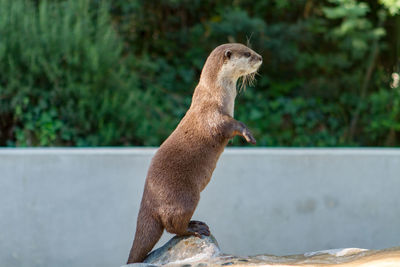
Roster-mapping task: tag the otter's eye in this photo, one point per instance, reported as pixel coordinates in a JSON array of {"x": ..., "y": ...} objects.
[
  {"x": 247, "y": 54},
  {"x": 228, "y": 54}
]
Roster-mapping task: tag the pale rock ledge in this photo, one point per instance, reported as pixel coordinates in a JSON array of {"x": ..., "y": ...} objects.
[{"x": 195, "y": 252}]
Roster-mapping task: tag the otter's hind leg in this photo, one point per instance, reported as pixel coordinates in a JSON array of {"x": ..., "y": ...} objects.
[{"x": 182, "y": 226}]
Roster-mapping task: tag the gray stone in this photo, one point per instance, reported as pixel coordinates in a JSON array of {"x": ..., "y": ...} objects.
[{"x": 185, "y": 249}]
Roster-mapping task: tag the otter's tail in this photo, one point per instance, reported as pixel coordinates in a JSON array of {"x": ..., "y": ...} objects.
[{"x": 148, "y": 232}]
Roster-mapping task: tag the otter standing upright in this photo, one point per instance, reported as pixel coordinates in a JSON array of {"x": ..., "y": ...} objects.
[{"x": 184, "y": 163}]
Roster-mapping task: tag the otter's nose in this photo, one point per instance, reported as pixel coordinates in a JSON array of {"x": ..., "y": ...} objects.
[{"x": 257, "y": 57}]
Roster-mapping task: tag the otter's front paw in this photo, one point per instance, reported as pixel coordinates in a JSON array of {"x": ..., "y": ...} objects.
[{"x": 249, "y": 136}]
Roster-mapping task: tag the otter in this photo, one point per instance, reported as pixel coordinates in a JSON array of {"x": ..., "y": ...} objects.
[{"x": 184, "y": 163}]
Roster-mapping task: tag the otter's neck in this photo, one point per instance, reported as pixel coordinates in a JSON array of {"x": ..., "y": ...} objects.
[
  {"x": 220, "y": 90},
  {"x": 228, "y": 94}
]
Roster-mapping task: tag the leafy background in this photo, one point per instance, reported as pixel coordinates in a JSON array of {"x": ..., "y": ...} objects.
[{"x": 117, "y": 73}]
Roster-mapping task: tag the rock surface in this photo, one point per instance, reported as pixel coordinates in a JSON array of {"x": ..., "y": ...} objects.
[
  {"x": 196, "y": 252},
  {"x": 180, "y": 250}
]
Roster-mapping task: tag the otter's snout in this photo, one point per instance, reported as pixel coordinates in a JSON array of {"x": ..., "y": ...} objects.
[{"x": 256, "y": 57}]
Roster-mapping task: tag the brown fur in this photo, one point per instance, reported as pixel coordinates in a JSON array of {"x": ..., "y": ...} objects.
[{"x": 184, "y": 163}]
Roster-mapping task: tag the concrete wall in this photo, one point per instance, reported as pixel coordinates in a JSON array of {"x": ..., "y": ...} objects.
[{"x": 78, "y": 207}]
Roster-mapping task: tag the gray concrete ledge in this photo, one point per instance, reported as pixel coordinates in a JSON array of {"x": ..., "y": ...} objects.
[{"x": 78, "y": 207}]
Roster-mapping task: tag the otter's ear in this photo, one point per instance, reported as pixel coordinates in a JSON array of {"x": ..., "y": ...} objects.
[{"x": 228, "y": 54}]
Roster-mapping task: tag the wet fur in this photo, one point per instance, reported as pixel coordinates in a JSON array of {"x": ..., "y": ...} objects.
[{"x": 184, "y": 163}]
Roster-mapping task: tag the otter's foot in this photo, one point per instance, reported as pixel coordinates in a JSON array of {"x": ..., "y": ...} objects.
[{"x": 198, "y": 229}]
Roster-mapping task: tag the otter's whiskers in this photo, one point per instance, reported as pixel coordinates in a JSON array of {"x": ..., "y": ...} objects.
[{"x": 247, "y": 80}]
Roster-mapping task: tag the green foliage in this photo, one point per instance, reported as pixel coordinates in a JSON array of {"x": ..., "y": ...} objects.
[
  {"x": 392, "y": 5},
  {"x": 384, "y": 116},
  {"x": 92, "y": 72},
  {"x": 355, "y": 31},
  {"x": 61, "y": 77}
]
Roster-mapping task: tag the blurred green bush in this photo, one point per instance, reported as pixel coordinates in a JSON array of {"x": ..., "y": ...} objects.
[
  {"x": 107, "y": 73},
  {"x": 63, "y": 78}
]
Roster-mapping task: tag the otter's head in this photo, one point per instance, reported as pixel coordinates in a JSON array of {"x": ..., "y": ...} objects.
[{"x": 229, "y": 62}]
